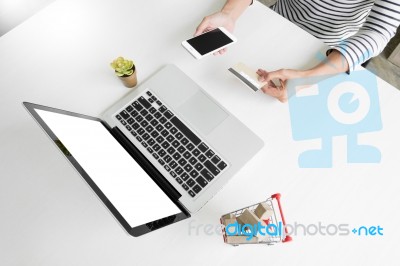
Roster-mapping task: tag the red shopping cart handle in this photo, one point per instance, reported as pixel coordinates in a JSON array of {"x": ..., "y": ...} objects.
[{"x": 277, "y": 196}]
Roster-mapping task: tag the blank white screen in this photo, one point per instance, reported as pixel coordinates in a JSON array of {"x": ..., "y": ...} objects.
[{"x": 132, "y": 192}]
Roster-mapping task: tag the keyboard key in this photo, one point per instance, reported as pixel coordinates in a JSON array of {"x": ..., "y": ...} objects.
[
  {"x": 196, "y": 188},
  {"x": 149, "y": 129},
  {"x": 134, "y": 133},
  {"x": 210, "y": 166},
  {"x": 135, "y": 126},
  {"x": 187, "y": 155},
  {"x": 144, "y": 123},
  {"x": 191, "y": 193},
  {"x": 188, "y": 168},
  {"x": 165, "y": 144},
  {"x": 156, "y": 147},
  {"x": 150, "y": 149},
  {"x": 161, "y": 161},
  {"x": 154, "y": 98},
  {"x": 155, "y": 155},
  {"x": 151, "y": 100},
  {"x": 167, "y": 168},
  {"x": 163, "y": 120},
  {"x": 139, "y": 118},
  {"x": 168, "y": 125},
  {"x": 185, "y": 176},
  {"x": 173, "y": 130},
  {"x": 210, "y": 154},
  {"x": 154, "y": 122},
  {"x": 128, "y": 127},
  {"x": 124, "y": 114},
  {"x": 140, "y": 131},
  {"x": 181, "y": 149},
  {"x": 179, "y": 170},
  {"x": 160, "y": 139},
  {"x": 130, "y": 120},
  {"x": 190, "y": 182},
  {"x": 194, "y": 174},
  {"x": 175, "y": 143},
  {"x": 184, "y": 141},
  {"x": 145, "y": 136},
  {"x": 179, "y": 180},
  {"x": 159, "y": 102},
  {"x": 151, "y": 142},
  {"x": 170, "y": 138},
  {"x": 185, "y": 187},
  {"x": 149, "y": 117},
  {"x": 179, "y": 135},
  {"x": 202, "y": 158},
  {"x": 159, "y": 127},
  {"x": 168, "y": 114},
  {"x": 152, "y": 110},
  {"x": 149, "y": 93},
  {"x": 171, "y": 150},
  {"x": 164, "y": 133},
  {"x": 173, "y": 164},
  {"x": 137, "y": 105},
  {"x": 157, "y": 115},
  {"x": 198, "y": 166},
  {"x": 154, "y": 134},
  {"x": 123, "y": 122},
  {"x": 203, "y": 147},
  {"x": 201, "y": 181},
  {"x": 144, "y": 144},
  {"x": 185, "y": 130},
  {"x": 144, "y": 112},
  {"x": 192, "y": 161},
  {"x": 176, "y": 156},
  {"x": 196, "y": 152},
  {"x": 129, "y": 108},
  {"x": 215, "y": 159},
  {"x": 207, "y": 175},
  {"x": 162, "y": 153},
  {"x": 139, "y": 138},
  {"x": 162, "y": 109},
  {"x": 167, "y": 159},
  {"x": 182, "y": 162},
  {"x": 190, "y": 146},
  {"x": 144, "y": 102},
  {"x": 222, "y": 165},
  {"x": 134, "y": 113},
  {"x": 118, "y": 117}
]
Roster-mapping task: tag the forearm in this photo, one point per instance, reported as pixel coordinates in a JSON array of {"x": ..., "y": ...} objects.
[
  {"x": 334, "y": 63},
  {"x": 235, "y": 8}
]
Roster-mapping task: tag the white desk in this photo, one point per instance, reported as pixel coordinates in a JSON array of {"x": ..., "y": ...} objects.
[{"x": 60, "y": 58}]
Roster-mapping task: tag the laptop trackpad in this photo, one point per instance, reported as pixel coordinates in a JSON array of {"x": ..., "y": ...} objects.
[{"x": 202, "y": 112}]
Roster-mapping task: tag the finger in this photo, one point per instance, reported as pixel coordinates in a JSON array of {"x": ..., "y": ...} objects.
[
  {"x": 276, "y": 75},
  {"x": 202, "y": 27}
]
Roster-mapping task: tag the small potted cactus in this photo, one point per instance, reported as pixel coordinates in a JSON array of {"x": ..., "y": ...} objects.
[{"x": 125, "y": 70}]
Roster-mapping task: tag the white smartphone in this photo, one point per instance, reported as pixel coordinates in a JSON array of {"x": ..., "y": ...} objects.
[{"x": 209, "y": 42}]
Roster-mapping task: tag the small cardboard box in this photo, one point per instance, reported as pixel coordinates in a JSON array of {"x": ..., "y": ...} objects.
[
  {"x": 240, "y": 240},
  {"x": 248, "y": 217},
  {"x": 263, "y": 211},
  {"x": 227, "y": 216}
]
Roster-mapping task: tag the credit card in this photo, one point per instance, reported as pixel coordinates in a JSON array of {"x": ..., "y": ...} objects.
[{"x": 247, "y": 75}]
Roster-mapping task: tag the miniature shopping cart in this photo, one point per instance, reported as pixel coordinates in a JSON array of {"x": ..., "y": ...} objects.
[{"x": 273, "y": 221}]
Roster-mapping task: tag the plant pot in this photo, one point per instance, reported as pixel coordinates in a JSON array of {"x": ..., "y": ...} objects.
[{"x": 129, "y": 81}]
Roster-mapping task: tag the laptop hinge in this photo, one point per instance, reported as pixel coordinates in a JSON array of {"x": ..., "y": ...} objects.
[{"x": 158, "y": 178}]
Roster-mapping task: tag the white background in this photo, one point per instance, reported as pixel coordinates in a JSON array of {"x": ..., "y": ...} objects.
[{"x": 61, "y": 57}]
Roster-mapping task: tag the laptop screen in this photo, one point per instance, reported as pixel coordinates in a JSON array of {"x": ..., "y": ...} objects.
[{"x": 126, "y": 185}]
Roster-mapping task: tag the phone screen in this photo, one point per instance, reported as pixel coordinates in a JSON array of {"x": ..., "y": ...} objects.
[{"x": 209, "y": 41}]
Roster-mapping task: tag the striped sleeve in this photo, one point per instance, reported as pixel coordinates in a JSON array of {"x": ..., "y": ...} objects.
[{"x": 379, "y": 27}]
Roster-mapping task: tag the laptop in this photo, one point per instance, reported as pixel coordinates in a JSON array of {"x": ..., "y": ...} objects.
[{"x": 158, "y": 154}]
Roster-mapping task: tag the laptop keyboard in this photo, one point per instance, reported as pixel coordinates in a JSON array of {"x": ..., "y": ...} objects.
[{"x": 187, "y": 158}]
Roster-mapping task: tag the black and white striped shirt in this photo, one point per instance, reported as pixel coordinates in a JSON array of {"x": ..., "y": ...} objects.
[{"x": 359, "y": 29}]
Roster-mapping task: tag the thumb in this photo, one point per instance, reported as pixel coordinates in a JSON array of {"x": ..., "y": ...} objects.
[{"x": 202, "y": 27}]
